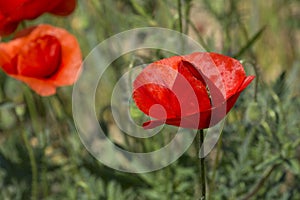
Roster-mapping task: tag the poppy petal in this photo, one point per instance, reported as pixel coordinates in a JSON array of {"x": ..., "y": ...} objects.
[
  {"x": 149, "y": 95},
  {"x": 190, "y": 90},
  {"x": 44, "y": 51},
  {"x": 7, "y": 63},
  {"x": 226, "y": 73},
  {"x": 12, "y": 13},
  {"x": 246, "y": 82},
  {"x": 177, "y": 93},
  {"x": 64, "y": 7}
]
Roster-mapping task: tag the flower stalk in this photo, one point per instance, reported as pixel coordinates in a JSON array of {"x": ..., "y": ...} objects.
[
  {"x": 202, "y": 165},
  {"x": 179, "y": 10},
  {"x": 34, "y": 171}
]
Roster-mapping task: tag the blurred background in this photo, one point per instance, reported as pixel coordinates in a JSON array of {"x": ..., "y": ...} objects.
[{"x": 257, "y": 156}]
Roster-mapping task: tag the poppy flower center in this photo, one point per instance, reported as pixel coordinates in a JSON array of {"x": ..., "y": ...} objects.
[{"x": 40, "y": 58}]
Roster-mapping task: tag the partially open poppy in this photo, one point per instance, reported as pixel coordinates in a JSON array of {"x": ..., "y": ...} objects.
[
  {"x": 44, "y": 57},
  {"x": 192, "y": 91},
  {"x": 14, "y": 11}
]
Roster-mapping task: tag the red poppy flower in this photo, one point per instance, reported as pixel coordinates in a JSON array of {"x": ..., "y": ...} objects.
[
  {"x": 44, "y": 57},
  {"x": 14, "y": 11},
  {"x": 191, "y": 91}
]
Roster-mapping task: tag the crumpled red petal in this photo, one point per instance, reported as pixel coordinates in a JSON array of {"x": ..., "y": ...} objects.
[
  {"x": 226, "y": 73},
  {"x": 44, "y": 51},
  {"x": 153, "y": 85},
  {"x": 205, "y": 118},
  {"x": 181, "y": 89}
]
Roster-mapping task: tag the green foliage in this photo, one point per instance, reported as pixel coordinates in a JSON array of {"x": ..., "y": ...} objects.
[{"x": 258, "y": 155}]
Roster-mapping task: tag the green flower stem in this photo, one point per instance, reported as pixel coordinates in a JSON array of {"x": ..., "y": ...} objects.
[
  {"x": 187, "y": 10},
  {"x": 34, "y": 171},
  {"x": 179, "y": 9},
  {"x": 37, "y": 129},
  {"x": 202, "y": 166},
  {"x": 180, "y": 19},
  {"x": 33, "y": 164},
  {"x": 199, "y": 36},
  {"x": 36, "y": 124}
]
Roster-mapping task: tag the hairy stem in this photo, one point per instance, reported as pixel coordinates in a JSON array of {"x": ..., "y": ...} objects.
[{"x": 202, "y": 165}]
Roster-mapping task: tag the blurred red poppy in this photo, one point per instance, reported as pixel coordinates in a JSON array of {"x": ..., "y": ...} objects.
[
  {"x": 192, "y": 91},
  {"x": 14, "y": 11},
  {"x": 44, "y": 57}
]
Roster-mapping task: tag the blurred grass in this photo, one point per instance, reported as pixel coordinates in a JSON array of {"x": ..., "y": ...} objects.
[{"x": 260, "y": 147}]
